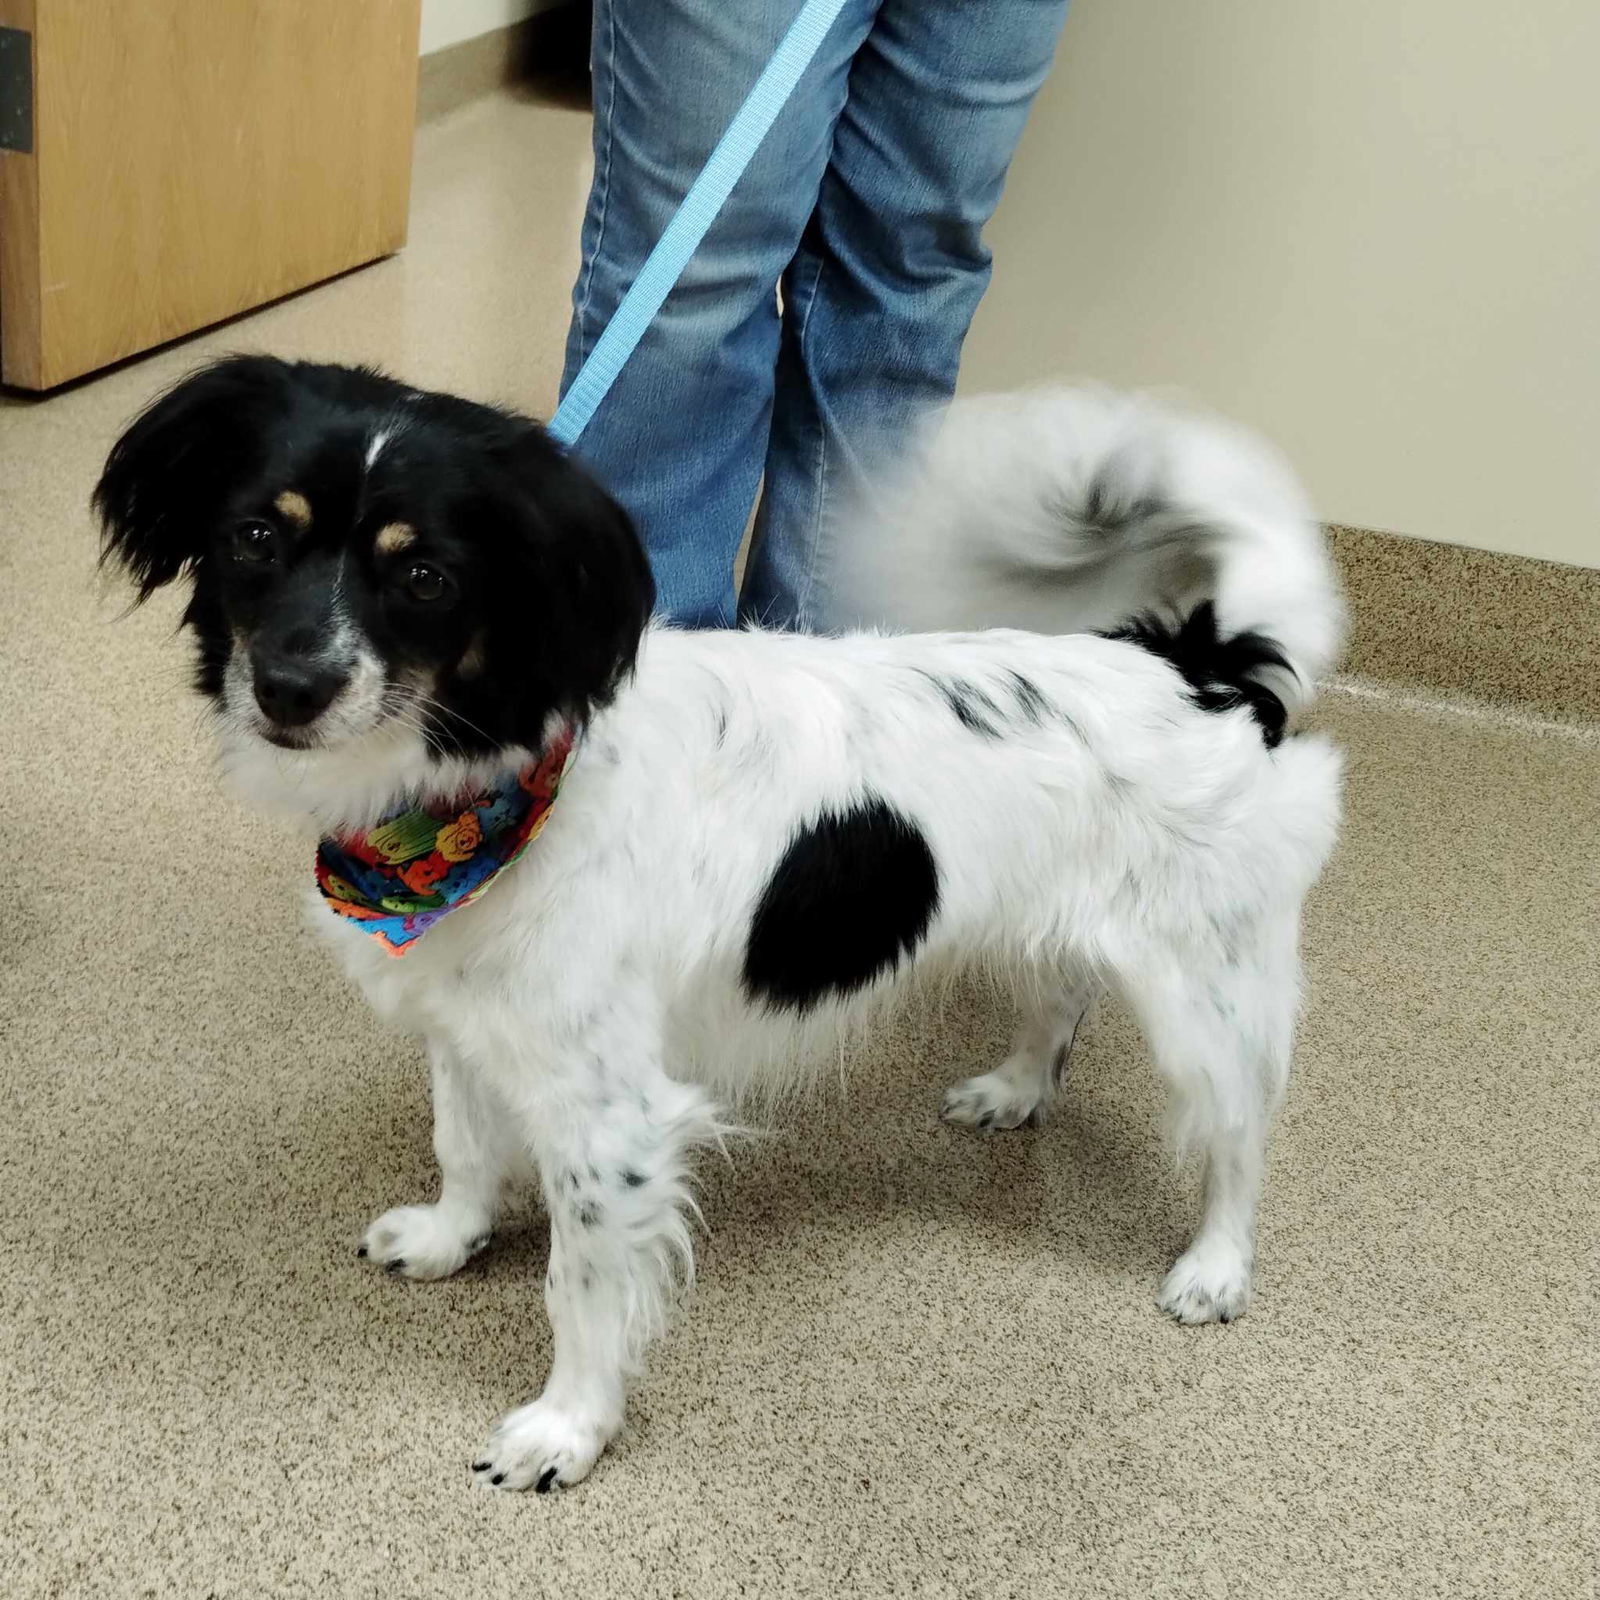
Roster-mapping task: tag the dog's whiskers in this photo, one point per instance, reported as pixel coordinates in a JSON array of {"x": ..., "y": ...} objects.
[{"x": 424, "y": 701}]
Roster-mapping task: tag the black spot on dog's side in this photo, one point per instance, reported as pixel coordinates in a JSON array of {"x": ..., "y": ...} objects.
[{"x": 851, "y": 898}]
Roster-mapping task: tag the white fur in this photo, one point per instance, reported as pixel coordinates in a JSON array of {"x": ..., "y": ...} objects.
[
  {"x": 586, "y": 1019},
  {"x": 985, "y": 525}
]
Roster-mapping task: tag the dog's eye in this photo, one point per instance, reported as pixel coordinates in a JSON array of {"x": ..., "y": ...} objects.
[
  {"x": 425, "y": 583},
  {"x": 255, "y": 543}
]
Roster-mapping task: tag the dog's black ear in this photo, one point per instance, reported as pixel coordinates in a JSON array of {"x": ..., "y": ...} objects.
[
  {"x": 167, "y": 476},
  {"x": 583, "y": 591}
]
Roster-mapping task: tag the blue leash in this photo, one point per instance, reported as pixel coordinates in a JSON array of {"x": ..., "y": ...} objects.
[{"x": 693, "y": 218}]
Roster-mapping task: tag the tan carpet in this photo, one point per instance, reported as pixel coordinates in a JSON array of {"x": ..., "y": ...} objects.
[{"x": 918, "y": 1363}]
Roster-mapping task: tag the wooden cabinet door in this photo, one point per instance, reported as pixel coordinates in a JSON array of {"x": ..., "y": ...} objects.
[{"x": 191, "y": 159}]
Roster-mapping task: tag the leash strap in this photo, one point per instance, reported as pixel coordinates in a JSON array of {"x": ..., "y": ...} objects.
[{"x": 693, "y": 218}]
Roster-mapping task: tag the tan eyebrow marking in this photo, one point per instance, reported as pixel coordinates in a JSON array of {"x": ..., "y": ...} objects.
[
  {"x": 295, "y": 507},
  {"x": 395, "y": 536}
]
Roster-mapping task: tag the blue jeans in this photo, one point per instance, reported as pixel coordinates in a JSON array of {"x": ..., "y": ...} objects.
[{"x": 864, "y": 210}]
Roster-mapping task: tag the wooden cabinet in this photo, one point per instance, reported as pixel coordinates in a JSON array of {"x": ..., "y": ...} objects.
[{"x": 192, "y": 159}]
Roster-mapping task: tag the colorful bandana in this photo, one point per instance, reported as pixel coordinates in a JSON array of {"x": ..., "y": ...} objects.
[{"x": 423, "y": 862}]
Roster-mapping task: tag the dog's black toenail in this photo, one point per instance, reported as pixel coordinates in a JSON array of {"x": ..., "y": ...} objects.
[
  {"x": 546, "y": 1482},
  {"x": 361, "y": 1250},
  {"x": 499, "y": 1477},
  {"x": 396, "y": 1265},
  {"x": 481, "y": 1466}
]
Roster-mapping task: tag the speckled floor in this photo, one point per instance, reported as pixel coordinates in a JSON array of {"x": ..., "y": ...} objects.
[{"x": 918, "y": 1362}]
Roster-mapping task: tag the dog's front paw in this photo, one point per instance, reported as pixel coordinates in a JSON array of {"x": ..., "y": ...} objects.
[
  {"x": 542, "y": 1446},
  {"x": 421, "y": 1242},
  {"x": 992, "y": 1102},
  {"x": 1209, "y": 1282}
]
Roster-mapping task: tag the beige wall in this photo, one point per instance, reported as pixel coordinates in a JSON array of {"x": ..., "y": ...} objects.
[{"x": 1371, "y": 227}]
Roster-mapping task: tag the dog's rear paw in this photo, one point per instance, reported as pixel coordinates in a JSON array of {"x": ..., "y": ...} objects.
[
  {"x": 992, "y": 1102},
  {"x": 1208, "y": 1283},
  {"x": 541, "y": 1447},
  {"x": 421, "y": 1242}
]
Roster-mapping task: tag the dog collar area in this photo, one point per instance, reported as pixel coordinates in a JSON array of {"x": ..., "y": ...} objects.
[{"x": 425, "y": 859}]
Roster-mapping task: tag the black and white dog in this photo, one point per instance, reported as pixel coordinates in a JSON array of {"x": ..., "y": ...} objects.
[{"x": 402, "y": 598}]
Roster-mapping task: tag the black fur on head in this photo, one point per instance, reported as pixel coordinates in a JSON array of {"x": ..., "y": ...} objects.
[{"x": 337, "y": 525}]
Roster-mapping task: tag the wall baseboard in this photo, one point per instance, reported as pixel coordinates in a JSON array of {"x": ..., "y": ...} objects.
[
  {"x": 546, "y": 54},
  {"x": 1450, "y": 620}
]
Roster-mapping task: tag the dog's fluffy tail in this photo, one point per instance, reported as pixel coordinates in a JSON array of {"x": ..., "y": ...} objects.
[{"x": 1079, "y": 509}]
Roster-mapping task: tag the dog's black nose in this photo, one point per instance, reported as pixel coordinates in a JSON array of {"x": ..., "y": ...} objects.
[{"x": 293, "y": 693}]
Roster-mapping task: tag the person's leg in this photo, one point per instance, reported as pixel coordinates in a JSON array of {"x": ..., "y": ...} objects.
[
  {"x": 878, "y": 300},
  {"x": 681, "y": 438}
]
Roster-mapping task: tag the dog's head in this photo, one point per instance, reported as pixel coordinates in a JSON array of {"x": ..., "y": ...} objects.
[{"x": 365, "y": 553}]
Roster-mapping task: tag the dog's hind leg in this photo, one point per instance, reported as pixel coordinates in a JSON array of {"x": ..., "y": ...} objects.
[
  {"x": 1022, "y": 1087},
  {"x": 432, "y": 1241},
  {"x": 1221, "y": 1031}
]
